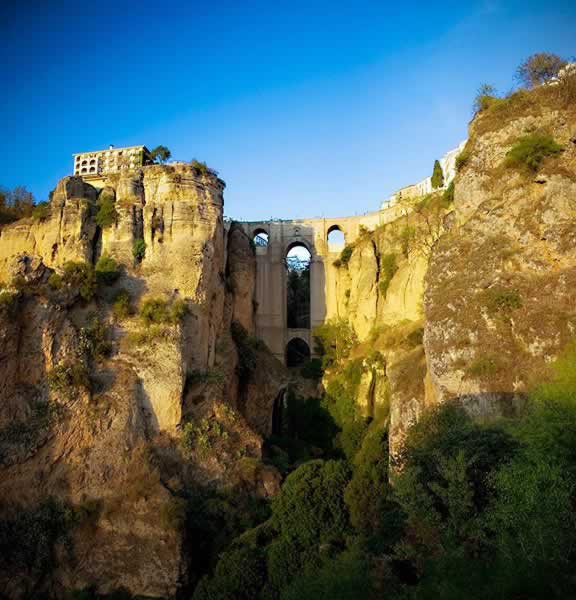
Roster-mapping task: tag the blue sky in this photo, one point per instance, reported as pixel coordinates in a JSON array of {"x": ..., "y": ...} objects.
[{"x": 305, "y": 108}]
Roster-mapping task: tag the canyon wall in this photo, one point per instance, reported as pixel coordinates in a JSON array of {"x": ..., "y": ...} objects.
[{"x": 95, "y": 403}]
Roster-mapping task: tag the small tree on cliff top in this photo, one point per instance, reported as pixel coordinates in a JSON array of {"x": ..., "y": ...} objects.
[
  {"x": 160, "y": 154},
  {"x": 539, "y": 68},
  {"x": 437, "y": 176}
]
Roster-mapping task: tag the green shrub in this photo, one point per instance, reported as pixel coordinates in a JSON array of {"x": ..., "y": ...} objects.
[
  {"x": 240, "y": 574},
  {"x": 80, "y": 277},
  {"x": 25, "y": 434},
  {"x": 107, "y": 270},
  {"x": 7, "y": 299},
  {"x": 485, "y": 98},
  {"x": 202, "y": 168},
  {"x": 69, "y": 379},
  {"x": 437, "y": 176},
  {"x": 121, "y": 305},
  {"x": 95, "y": 335},
  {"x": 484, "y": 366},
  {"x": 345, "y": 577},
  {"x": 448, "y": 195},
  {"x": 139, "y": 249},
  {"x": 157, "y": 311},
  {"x": 41, "y": 211},
  {"x": 247, "y": 347},
  {"x": 200, "y": 435},
  {"x": 346, "y": 255},
  {"x": 29, "y": 540},
  {"x": 388, "y": 269},
  {"x": 531, "y": 150},
  {"x": 312, "y": 369},
  {"x": 334, "y": 340},
  {"x": 501, "y": 302},
  {"x": 310, "y": 508},
  {"x": 55, "y": 281},
  {"x": 287, "y": 557},
  {"x": 462, "y": 159},
  {"x": 106, "y": 214}
]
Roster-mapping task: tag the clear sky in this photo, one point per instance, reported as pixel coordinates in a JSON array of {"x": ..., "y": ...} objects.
[{"x": 306, "y": 108}]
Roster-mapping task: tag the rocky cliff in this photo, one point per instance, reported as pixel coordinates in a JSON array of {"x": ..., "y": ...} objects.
[
  {"x": 115, "y": 420},
  {"x": 486, "y": 270}
]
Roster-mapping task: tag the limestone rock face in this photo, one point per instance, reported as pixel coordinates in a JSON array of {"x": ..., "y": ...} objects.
[
  {"x": 500, "y": 287},
  {"x": 67, "y": 234},
  {"x": 114, "y": 445}
]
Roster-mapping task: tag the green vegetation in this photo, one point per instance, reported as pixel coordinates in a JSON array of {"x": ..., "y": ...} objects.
[
  {"x": 106, "y": 214},
  {"x": 202, "y": 168},
  {"x": 388, "y": 268},
  {"x": 121, "y": 305},
  {"x": 139, "y": 249},
  {"x": 247, "y": 348},
  {"x": 69, "y": 379},
  {"x": 312, "y": 369},
  {"x": 80, "y": 277},
  {"x": 94, "y": 339},
  {"x": 15, "y": 204},
  {"x": 501, "y": 302},
  {"x": 157, "y": 311},
  {"x": 463, "y": 158},
  {"x": 334, "y": 340},
  {"x": 160, "y": 154},
  {"x": 437, "y": 176},
  {"x": 29, "y": 538},
  {"x": 25, "y": 434},
  {"x": 477, "y": 510},
  {"x": 107, "y": 270},
  {"x": 41, "y": 211},
  {"x": 485, "y": 98},
  {"x": 346, "y": 254},
  {"x": 448, "y": 195},
  {"x": 200, "y": 436},
  {"x": 484, "y": 366},
  {"x": 530, "y": 151},
  {"x": 539, "y": 68}
]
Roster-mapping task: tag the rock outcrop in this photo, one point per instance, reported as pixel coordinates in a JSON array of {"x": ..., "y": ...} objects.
[{"x": 102, "y": 431}]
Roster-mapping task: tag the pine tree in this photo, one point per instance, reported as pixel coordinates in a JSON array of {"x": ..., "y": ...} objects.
[{"x": 437, "y": 176}]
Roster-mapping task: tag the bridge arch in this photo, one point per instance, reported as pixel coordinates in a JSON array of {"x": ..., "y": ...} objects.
[
  {"x": 297, "y": 352},
  {"x": 335, "y": 235},
  {"x": 260, "y": 237}
]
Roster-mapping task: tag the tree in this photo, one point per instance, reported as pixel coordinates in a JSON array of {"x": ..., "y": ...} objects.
[
  {"x": 539, "y": 68},
  {"x": 160, "y": 154},
  {"x": 485, "y": 97},
  {"x": 437, "y": 176}
]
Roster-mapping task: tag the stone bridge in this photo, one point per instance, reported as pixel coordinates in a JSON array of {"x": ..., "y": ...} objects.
[{"x": 272, "y": 274}]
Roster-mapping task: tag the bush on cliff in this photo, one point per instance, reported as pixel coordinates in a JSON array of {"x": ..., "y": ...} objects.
[
  {"x": 69, "y": 379},
  {"x": 41, "y": 211},
  {"x": 80, "y": 276},
  {"x": 158, "y": 311},
  {"x": 107, "y": 270},
  {"x": 530, "y": 151},
  {"x": 107, "y": 213}
]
